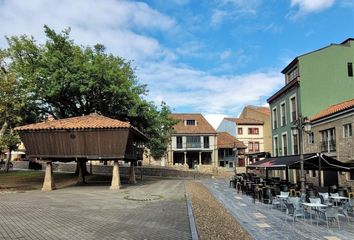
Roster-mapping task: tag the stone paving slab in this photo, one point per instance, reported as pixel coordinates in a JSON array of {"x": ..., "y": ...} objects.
[
  {"x": 263, "y": 223},
  {"x": 93, "y": 212}
]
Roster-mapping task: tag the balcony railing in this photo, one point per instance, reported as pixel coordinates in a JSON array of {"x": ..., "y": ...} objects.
[
  {"x": 328, "y": 146},
  {"x": 193, "y": 145}
]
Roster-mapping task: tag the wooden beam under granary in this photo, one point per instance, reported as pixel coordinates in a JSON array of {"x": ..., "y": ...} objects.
[{"x": 84, "y": 138}]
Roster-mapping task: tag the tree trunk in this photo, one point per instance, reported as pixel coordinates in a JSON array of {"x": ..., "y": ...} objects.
[
  {"x": 7, "y": 164},
  {"x": 3, "y": 128}
]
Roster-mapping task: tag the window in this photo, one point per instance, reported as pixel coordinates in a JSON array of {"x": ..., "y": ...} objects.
[
  {"x": 239, "y": 131},
  {"x": 295, "y": 145},
  {"x": 256, "y": 146},
  {"x": 193, "y": 142},
  {"x": 328, "y": 140},
  {"x": 293, "y": 109},
  {"x": 350, "y": 69},
  {"x": 285, "y": 144},
  {"x": 292, "y": 74},
  {"x": 282, "y": 114},
  {"x": 253, "y": 131},
  {"x": 276, "y": 146},
  {"x": 206, "y": 141},
  {"x": 311, "y": 138},
  {"x": 179, "y": 141},
  {"x": 250, "y": 146},
  {"x": 190, "y": 122},
  {"x": 347, "y": 130},
  {"x": 351, "y": 175},
  {"x": 275, "y": 124}
]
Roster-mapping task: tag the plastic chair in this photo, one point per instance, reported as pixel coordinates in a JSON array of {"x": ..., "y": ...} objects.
[
  {"x": 331, "y": 213},
  {"x": 295, "y": 212}
]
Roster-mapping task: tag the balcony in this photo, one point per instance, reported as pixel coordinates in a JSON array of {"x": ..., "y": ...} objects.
[
  {"x": 194, "y": 145},
  {"x": 328, "y": 146}
]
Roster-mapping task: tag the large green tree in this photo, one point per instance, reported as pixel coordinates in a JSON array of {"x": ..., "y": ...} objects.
[
  {"x": 65, "y": 79},
  {"x": 15, "y": 107}
]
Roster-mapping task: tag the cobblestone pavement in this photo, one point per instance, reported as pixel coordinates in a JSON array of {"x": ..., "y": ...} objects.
[
  {"x": 263, "y": 223},
  {"x": 93, "y": 212}
]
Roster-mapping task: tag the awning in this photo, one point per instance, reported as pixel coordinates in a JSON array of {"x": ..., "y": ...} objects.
[{"x": 312, "y": 161}]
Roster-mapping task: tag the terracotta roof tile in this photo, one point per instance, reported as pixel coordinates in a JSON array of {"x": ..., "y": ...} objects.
[
  {"x": 245, "y": 121},
  {"x": 202, "y": 125},
  {"x": 333, "y": 109},
  {"x": 226, "y": 140},
  {"x": 92, "y": 121}
]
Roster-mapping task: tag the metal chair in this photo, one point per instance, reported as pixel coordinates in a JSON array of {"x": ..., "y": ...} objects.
[
  {"x": 331, "y": 213},
  {"x": 294, "y": 212}
]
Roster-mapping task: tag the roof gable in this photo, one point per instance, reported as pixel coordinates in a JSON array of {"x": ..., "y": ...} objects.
[
  {"x": 201, "y": 126},
  {"x": 92, "y": 121},
  {"x": 336, "y": 108},
  {"x": 226, "y": 140}
]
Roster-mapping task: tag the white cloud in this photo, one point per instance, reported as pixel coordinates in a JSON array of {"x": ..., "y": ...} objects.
[
  {"x": 217, "y": 17},
  {"x": 245, "y": 6},
  {"x": 113, "y": 23},
  {"x": 127, "y": 29},
  {"x": 233, "y": 9},
  {"x": 308, "y": 6},
  {"x": 185, "y": 87}
]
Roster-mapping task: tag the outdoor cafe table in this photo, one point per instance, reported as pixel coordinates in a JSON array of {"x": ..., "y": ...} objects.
[
  {"x": 338, "y": 198},
  {"x": 313, "y": 205}
]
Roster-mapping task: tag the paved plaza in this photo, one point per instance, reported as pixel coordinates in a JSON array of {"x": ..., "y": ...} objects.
[
  {"x": 153, "y": 209},
  {"x": 263, "y": 223}
]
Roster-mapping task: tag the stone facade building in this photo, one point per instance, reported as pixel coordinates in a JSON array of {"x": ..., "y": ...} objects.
[{"x": 332, "y": 134}]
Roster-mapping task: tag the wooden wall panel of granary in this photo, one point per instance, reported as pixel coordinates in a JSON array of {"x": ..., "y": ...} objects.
[{"x": 84, "y": 138}]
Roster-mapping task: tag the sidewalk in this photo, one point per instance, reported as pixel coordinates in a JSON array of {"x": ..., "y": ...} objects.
[{"x": 263, "y": 223}]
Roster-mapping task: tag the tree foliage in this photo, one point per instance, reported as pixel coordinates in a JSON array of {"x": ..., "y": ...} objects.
[{"x": 64, "y": 79}]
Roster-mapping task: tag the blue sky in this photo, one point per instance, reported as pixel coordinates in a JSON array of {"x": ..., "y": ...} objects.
[{"x": 212, "y": 57}]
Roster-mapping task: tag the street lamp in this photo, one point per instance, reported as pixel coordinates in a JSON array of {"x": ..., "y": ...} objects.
[{"x": 300, "y": 125}]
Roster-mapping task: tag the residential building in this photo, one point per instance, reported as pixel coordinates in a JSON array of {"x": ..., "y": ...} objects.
[
  {"x": 332, "y": 134},
  {"x": 261, "y": 114},
  {"x": 313, "y": 81},
  {"x": 193, "y": 143},
  {"x": 228, "y": 148},
  {"x": 249, "y": 131}
]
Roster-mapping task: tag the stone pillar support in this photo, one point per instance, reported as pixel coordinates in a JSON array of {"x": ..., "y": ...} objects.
[
  {"x": 132, "y": 178},
  {"x": 200, "y": 158},
  {"x": 81, "y": 166},
  {"x": 115, "y": 185},
  {"x": 185, "y": 158},
  {"x": 48, "y": 184}
]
